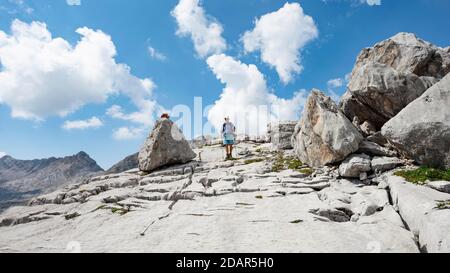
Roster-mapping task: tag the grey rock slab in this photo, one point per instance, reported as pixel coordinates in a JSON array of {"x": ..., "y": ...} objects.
[{"x": 417, "y": 206}]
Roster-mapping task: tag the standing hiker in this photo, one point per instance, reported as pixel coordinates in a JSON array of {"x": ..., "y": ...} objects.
[{"x": 228, "y": 133}]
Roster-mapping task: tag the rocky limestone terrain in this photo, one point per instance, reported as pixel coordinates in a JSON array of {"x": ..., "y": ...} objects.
[
  {"x": 213, "y": 206},
  {"x": 21, "y": 180},
  {"x": 331, "y": 183}
]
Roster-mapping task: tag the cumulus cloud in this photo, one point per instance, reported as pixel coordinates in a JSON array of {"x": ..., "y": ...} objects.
[
  {"x": 128, "y": 133},
  {"x": 73, "y": 2},
  {"x": 155, "y": 54},
  {"x": 247, "y": 99},
  {"x": 93, "y": 122},
  {"x": 43, "y": 76},
  {"x": 280, "y": 36},
  {"x": 204, "y": 30},
  {"x": 335, "y": 83}
]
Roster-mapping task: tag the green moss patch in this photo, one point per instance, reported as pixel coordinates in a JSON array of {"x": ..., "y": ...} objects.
[
  {"x": 254, "y": 160},
  {"x": 282, "y": 163},
  {"x": 443, "y": 205},
  {"x": 120, "y": 211},
  {"x": 421, "y": 175}
]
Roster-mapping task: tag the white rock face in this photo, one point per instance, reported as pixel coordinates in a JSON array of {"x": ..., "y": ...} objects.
[
  {"x": 355, "y": 165},
  {"x": 215, "y": 206},
  {"x": 418, "y": 207},
  {"x": 166, "y": 145},
  {"x": 383, "y": 164},
  {"x": 421, "y": 131},
  {"x": 390, "y": 75},
  {"x": 324, "y": 135}
]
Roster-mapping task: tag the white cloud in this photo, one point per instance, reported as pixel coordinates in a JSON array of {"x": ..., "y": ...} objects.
[
  {"x": 358, "y": 2},
  {"x": 247, "y": 99},
  {"x": 43, "y": 76},
  {"x": 156, "y": 54},
  {"x": 127, "y": 133},
  {"x": 2, "y": 154},
  {"x": 335, "y": 83},
  {"x": 73, "y": 2},
  {"x": 372, "y": 2},
  {"x": 16, "y": 6},
  {"x": 280, "y": 36},
  {"x": 93, "y": 122},
  {"x": 205, "y": 31}
]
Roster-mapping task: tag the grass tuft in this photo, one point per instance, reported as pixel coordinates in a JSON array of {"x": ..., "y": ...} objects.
[{"x": 421, "y": 175}]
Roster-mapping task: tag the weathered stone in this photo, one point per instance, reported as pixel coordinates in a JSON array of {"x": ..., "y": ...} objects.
[
  {"x": 280, "y": 134},
  {"x": 368, "y": 128},
  {"x": 442, "y": 186},
  {"x": 418, "y": 207},
  {"x": 324, "y": 135},
  {"x": 377, "y": 92},
  {"x": 422, "y": 130},
  {"x": 166, "y": 145},
  {"x": 383, "y": 164},
  {"x": 378, "y": 138},
  {"x": 354, "y": 165},
  {"x": 390, "y": 75},
  {"x": 371, "y": 148}
]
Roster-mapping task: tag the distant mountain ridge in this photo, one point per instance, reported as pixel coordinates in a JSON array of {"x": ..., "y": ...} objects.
[{"x": 21, "y": 180}]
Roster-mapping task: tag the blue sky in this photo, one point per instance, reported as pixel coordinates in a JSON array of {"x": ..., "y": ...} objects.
[{"x": 67, "y": 115}]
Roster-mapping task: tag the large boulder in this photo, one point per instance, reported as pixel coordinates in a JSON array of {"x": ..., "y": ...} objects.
[
  {"x": 324, "y": 135},
  {"x": 280, "y": 134},
  {"x": 377, "y": 92},
  {"x": 422, "y": 130},
  {"x": 405, "y": 52},
  {"x": 390, "y": 75},
  {"x": 166, "y": 145}
]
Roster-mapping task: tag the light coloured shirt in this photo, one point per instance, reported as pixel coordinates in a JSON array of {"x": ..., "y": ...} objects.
[{"x": 228, "y": 128}]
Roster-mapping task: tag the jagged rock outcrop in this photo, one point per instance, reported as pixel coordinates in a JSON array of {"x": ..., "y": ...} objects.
[
  {"x": 21, "y": 180},
  {"x": 392, "y": 74},
  {"x": 324, "y": 135},
  {"x": 280, "y": 134},
  {"x": 128, "y": 163},
  {"x": 421, "y": 131},
  {"x": 166, "y": 145}
]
